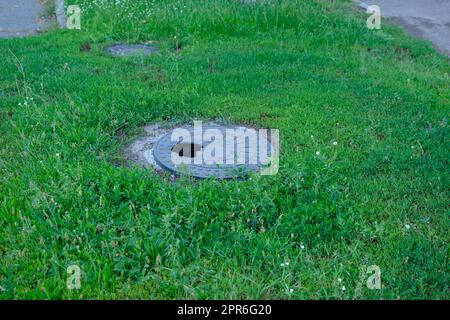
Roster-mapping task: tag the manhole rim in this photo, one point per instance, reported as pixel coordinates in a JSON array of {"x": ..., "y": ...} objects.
[{"x": 230, "y": 172}]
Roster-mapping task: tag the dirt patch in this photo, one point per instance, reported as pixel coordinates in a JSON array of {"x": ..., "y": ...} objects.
[{"x": 140, "y": 151}]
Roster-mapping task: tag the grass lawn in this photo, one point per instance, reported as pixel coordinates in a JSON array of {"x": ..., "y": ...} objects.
[{"x": 363, "y": 180}]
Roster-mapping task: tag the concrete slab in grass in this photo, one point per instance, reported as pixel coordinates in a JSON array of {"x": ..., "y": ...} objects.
[{"x": 21, "y": 18}]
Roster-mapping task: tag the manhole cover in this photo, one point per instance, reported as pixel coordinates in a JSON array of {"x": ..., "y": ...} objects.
[
  {"x": 213, "y": 151},
  {"x": 131, "y": 49}
]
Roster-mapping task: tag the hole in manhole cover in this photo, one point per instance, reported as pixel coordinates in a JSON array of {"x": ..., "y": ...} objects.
[
  {"x": 131, "y": 49},
  {"x": 208, "y": 150},
  {"x": 188, "y": 150}
]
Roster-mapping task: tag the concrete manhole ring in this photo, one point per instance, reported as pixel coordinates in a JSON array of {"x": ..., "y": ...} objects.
[
  {"x": 229, "y": 152},
  {"x": 131, "y": 49}
]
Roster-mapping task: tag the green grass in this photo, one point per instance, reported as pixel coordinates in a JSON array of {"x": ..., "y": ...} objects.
[{"x": 309, "y": 68}]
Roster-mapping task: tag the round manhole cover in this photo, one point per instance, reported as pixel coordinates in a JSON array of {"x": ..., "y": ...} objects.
[
  {"x": 214, "y": 151},
  {"x": 131, "y": 49}
]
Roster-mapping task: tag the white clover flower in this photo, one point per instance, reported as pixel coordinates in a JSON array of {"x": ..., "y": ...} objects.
[
  {"x": 339, "y": 280},
  {"x": 407, "y": 226},
  {"x": 343, "y": 288},
  {"x": 317, "y": 153}
]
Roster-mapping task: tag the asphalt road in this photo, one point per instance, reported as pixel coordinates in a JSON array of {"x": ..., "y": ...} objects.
[{"x": 427, "y": 19}]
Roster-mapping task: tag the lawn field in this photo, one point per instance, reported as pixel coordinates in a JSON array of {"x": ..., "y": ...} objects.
[{"x": 364, "y": 162}]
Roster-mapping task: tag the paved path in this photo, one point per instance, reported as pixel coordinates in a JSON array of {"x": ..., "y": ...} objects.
[
  {"x": 20, "y": 17},
  {"x": 428, "y": 19}
]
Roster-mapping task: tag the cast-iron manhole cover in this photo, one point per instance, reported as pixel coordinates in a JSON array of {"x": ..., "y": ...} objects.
[
  {"x": 131, "y": 49},
  {"x": 222, "y": 152}
]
